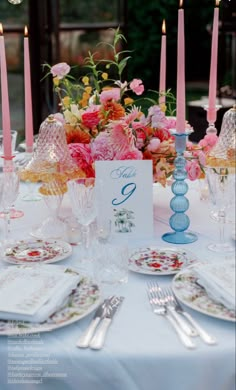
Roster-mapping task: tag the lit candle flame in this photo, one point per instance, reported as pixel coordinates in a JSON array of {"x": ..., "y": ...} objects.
[
  {"x": 1, "y": 29},
  {"x": 163, "y": 29},
  {"x": 217, "y": 3},
  {"x": 26, "y": 31},
  {"x": 181, "y": 3}
]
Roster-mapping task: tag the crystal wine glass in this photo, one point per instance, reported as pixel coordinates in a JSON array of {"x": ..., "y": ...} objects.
[
  {"x": 221, "y": 183},
  {"x": 11, "y": 182},
  {"x": 83, "y": 202},
  {"x": 52, "y": 226}
]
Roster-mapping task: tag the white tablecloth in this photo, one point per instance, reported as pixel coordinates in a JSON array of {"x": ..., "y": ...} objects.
[{"x": 141, "y": 351}]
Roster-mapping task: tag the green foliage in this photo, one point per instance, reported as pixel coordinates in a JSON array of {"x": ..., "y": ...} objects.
[
  {"x": 144, "y": 37},
  {"x": 89, "y": 11},
  {"x": 13, "y": 13}
]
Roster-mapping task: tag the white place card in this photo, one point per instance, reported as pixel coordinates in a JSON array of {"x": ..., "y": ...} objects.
[{"x": 125, "y": 196}]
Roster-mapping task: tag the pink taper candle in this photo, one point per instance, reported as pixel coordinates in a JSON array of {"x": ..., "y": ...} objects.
[
  {"x": 180, "y": 96},
  {"x": 211, "y": 112},
  {"x": 28, "y": 96},
  {"x": 6, "y": 122},
  {"x": 162, "y": 81}
]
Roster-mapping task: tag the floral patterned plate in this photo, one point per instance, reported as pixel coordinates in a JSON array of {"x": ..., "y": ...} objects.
[
  {"x": 193, "y": 295},
  {"x": 35, "y": 251},
  {"x": 82, "y": 301},
  {"x": 160, "y": 261}
]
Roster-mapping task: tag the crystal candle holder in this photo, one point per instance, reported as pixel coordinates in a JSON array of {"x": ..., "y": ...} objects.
[
  {"x": 179, "y": 221},
  {"x": 211, "y": 124}
]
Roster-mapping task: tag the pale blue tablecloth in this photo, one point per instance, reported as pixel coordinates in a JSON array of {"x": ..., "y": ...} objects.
[{"x": 141, "y": 351}]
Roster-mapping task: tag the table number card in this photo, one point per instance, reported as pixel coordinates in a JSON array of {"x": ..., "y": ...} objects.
[{"x": 125, "y": 196}]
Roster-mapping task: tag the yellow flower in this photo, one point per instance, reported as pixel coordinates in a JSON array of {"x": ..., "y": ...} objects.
[
  {"x": 56, "y": 81},
  {"x": 84, "y": 100},
  {"x": 128, "y": 101},
  {"x": 66, "y": 101},
  {"x": 163, "y": 107},
  {"x": 104, "y": 76},
  {"x": 85, "y": 80},
  {"x": 88, "y": 90}
]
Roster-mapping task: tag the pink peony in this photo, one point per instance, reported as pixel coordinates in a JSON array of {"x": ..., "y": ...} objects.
[
  {"x": 60, "y": 70},
  {"x": 101, "y": 148},
  {"x": 110, "y": 94},
  {"x": 137, "y": 86},
  {"x": 193, "y": 170}
]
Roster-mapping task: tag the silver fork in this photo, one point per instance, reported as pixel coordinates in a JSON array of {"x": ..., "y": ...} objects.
[
  {"x": 185, "y": 325},
  {"x": 207, "y": 338},
  {"x": 159, "y": 307}
]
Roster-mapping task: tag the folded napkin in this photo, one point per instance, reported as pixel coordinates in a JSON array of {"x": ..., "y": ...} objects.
[
  {"x": 34, "y": 293},
  {"x": 219, "y": 281}
]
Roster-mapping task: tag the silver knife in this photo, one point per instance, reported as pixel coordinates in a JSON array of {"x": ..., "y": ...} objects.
[
  {"x": 85, "y": 338},
  {"x": 98, "y": 339}
]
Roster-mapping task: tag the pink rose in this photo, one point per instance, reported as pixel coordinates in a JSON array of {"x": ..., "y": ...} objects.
[
  {"x": 137, "y": 86},
  {"x": 193, "y": 170},
  {"x": 60, "y": 70}
]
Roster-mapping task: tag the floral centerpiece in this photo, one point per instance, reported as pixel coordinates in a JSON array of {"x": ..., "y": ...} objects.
[{"x": 108, "y": 118}]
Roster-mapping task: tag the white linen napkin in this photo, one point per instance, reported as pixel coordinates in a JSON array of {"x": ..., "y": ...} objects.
[
  {"x": 218, "y": 281},
  {"x": 34, "y": 293}
]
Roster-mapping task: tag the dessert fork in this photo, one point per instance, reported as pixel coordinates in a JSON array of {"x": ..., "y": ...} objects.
[
  {"x": 207, "y": 338},
  {"x": 159, "y": 307}
]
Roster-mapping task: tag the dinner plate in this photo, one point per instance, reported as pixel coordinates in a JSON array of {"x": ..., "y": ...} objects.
[
  {"x": 82, "y": 301},
  {"x": 193, "y": 295},
  {"x": 160, "y": 261},
  {"x": 36, "y": 251}
]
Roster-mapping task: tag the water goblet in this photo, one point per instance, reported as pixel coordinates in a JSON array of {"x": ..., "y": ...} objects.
[
  {"x": 221, "y": 182},
  {"x": 82, "y": 196}
]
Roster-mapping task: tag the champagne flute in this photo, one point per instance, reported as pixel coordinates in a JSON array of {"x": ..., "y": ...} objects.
[
  {"x": 83, "y": 202},
  {"x": 10, "y": 191},
  {"x": 221, "y": 182}
]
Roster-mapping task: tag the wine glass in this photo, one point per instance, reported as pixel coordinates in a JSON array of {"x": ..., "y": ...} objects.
[
  {"x": 11, "y": 181},
  {"x": 83, "y": 202},
  {"x": 52, "y": 226},
  {"x": 221, "y": 183}
]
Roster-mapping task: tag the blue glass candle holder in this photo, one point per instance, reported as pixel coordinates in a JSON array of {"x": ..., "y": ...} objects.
[{"x": 179, "y": 221}]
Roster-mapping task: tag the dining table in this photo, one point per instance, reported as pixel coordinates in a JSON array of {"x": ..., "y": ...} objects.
[{"x": 141, "y": 349}]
